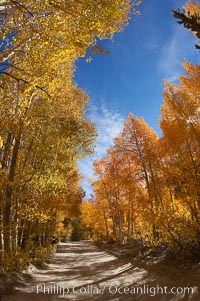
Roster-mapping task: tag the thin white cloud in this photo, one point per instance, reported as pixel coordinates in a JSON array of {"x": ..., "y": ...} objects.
[
  {"x": 109, "y": 124},
  {"x": 179, "y": 48},
  {"x": 151, "y": 44}
]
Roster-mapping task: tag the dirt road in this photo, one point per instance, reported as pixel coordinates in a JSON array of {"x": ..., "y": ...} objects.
[{"x": 79, "y": 271}]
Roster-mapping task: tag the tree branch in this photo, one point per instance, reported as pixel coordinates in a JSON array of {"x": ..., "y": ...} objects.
[
  {"x": 25, "y": 81},
  {"x": 21, "y": 7},
  {"x": 14, "y": 77}
]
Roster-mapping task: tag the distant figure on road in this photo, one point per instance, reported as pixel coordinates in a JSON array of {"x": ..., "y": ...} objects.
[{"x": 54, "y": 241}]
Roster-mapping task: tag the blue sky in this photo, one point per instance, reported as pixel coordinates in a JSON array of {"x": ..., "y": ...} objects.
[{"x": 130, "y": 79}]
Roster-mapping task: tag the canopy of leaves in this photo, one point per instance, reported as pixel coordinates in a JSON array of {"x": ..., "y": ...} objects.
[
  {"x": 147, "y": 187},
  {"x": 43, "y": 128}
]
